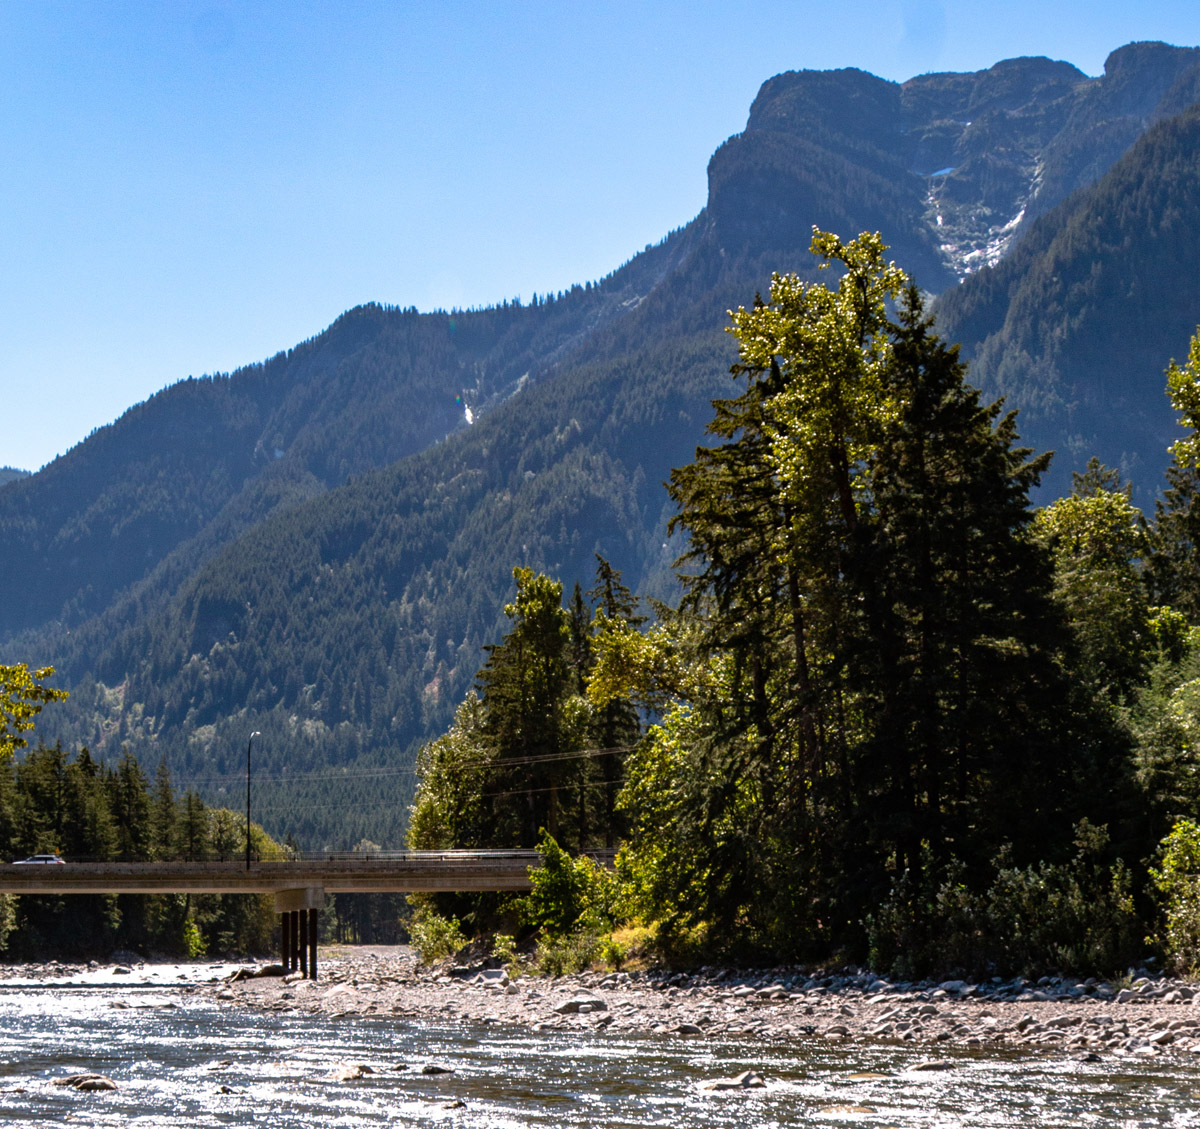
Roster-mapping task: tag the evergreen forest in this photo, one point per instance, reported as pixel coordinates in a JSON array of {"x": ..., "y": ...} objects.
[
  {"x": 899, "y": 715},
  {"x": 73, "y": 806}
]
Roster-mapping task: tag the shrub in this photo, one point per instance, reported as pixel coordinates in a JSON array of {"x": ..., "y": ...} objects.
[
  {"x": 504, "y": 949},
  {"x": 1177, "y": 879},
  {"x": 563, "y": 954},
  {"x": 435, "y": 937},
  {"x": 566, "y": 890},
  {"x": 193, "y": 941},
  {"x": 1076, "y": 917}
]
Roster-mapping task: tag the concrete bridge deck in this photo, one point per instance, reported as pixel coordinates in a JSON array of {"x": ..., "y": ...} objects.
[
  {"x": 299, "y": 885},
  {"x": 389, "y": 872}
]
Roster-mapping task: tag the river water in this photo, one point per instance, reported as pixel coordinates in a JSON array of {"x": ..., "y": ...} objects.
[{"x": 183, "y": 1060}]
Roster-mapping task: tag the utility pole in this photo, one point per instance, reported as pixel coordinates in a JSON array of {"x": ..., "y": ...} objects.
[{"x": 249, "y": 746}]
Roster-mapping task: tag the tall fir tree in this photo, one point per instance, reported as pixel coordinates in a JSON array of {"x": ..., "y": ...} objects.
[{"x": 877, "y": 625}]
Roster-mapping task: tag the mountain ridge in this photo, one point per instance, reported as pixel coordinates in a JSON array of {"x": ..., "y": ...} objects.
[{"x": 318, "y": 546}]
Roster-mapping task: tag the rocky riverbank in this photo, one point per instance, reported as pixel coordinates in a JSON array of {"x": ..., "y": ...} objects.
[{"x": 1150, "y": 1015}]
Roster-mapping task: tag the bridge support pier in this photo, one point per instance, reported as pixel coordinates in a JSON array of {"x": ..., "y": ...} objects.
[
  {"x": 297, "y": 911},
  {"x": 285, "y": 941}
]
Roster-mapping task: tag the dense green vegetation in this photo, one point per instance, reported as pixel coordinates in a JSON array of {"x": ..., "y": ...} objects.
[
  {"x": 77, "y": 807},
  {"x": 1073, "y": 325},
  {"x": 899, "y": 716}
]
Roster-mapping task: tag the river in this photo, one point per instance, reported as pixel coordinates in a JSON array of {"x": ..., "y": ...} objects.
[{"x": 180, "y": 1059}]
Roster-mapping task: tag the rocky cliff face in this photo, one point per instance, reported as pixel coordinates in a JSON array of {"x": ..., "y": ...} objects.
[{"x": 952, "y": 166}]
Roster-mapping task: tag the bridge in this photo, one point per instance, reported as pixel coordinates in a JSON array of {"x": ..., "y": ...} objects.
[{"x": 299, "y": 885}]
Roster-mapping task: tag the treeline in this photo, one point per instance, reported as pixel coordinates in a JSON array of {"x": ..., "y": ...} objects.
[
  {"x": 85, "y": 811},
  {"x": 899, "y": 716},
  {"x": 73, "y": 806},
  {"x": 529, "y": 752}
]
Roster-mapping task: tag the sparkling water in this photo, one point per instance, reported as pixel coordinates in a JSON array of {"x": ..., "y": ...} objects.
[{"x": 179, "y": 1059}]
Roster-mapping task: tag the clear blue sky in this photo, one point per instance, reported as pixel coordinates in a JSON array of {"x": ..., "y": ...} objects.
[{"x": 191, "y": 185}]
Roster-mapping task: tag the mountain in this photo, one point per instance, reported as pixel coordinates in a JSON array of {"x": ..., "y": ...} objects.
[
  {"x": 1076, "y": 324},
  {"x": 318, "y": 546}
]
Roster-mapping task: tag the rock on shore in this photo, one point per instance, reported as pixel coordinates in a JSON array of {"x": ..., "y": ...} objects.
[{"x": 1151, "y": 1015}]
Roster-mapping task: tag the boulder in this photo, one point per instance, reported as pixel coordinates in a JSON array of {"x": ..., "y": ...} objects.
[
  {"x": 86, "y": 1082},
  {"x": 346, "y": 1073},
  {"x": 99, "y": 1082},
  {"x": 495, "y": 978},
  {"x": 747, "y": 1080},
  {"x": 581, "y": 1005}
]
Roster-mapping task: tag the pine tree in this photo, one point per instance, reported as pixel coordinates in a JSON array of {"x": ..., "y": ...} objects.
[
  {"x": 954, "y": 658},
  {"x": 877, "y": 673},
  {"x": 162, "y": 814},
  {"x": 616, "y": 726}
]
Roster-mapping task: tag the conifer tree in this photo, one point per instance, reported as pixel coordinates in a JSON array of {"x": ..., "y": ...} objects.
[
  {"x": 1174, "y": 566},
  {"x": 525, "y": 683},
  {"x": 616, "y": 726},
  {"x": 877, "y": 628},
  {"x": 953, "y": 659}
]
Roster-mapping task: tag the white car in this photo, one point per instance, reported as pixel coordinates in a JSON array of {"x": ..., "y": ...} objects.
[{"x": 40, "y": 860}]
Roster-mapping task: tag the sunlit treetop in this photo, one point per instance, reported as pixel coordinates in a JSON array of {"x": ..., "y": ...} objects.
[
  {"x": 22, "y": 695},
  {"x": 1183, "y": 387},
  {"x": 832, "y": 348}
]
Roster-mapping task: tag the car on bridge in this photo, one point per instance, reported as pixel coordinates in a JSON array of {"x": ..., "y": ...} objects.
[{"x": 40, "y": 860}]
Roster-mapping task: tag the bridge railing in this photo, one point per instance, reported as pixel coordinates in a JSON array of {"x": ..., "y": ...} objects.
[{"x": 362, "y": 858}]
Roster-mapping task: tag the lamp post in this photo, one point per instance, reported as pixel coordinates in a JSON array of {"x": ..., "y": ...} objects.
[{"x": 249, "y": 746}]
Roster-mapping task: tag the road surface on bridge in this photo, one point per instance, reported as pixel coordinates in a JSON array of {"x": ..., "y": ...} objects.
[{"x": 385, "y": 872}]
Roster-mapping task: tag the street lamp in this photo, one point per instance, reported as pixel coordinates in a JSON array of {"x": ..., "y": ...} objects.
[{"x": 249, "y": 745}]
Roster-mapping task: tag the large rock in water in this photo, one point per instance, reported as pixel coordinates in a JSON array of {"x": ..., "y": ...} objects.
[
  {"x": 86, "y": 1082},
  {"x": 747, "y": 1080}
]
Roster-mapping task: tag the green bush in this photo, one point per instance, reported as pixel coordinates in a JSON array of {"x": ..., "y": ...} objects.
[
  {"x": 1177, "y": 879},
  {"x": 504, "y": 949},
  {"x": 435, "y": 937},
  {"x": 8, "y": 918},
  {"x": 193, "y": 941},
  {"x": 567, "y": 953},
  {"x": 566, "y": 890},
  {"x": 1075, "y": 917}
]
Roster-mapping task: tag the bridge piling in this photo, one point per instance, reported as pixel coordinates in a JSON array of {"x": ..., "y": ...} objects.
[
  {"x": 297, "y": 909},
  {"x": 312, "y": 943},
  {"x": 303, "y": 921},
  {"x": 285, "y": 942}
]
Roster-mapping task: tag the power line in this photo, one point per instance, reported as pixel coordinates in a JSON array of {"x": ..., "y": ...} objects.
[{"x": 379, "y": 774}]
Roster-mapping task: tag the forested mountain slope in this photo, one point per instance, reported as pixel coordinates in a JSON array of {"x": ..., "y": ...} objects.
[
  {"x": 318, "y": 547},
  {"x": 1075, "y": 326},
  {"x": 379, "y": 384}
]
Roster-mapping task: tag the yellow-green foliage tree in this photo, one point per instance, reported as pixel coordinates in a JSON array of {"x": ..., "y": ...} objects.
[{"x": 23, "y": 692}]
